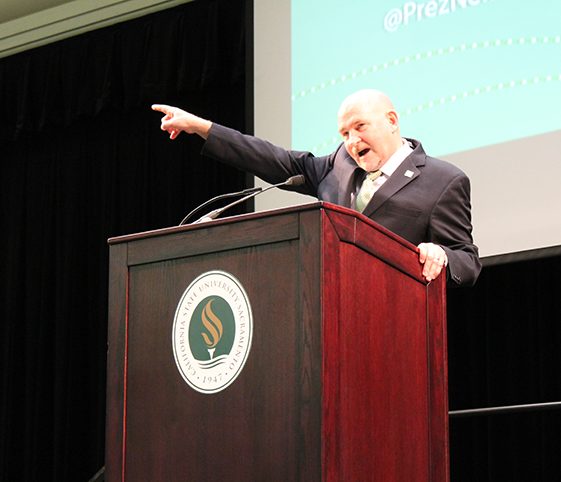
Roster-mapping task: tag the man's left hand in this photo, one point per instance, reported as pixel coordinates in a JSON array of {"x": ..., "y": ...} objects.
[{"x": 433, "y": 258}]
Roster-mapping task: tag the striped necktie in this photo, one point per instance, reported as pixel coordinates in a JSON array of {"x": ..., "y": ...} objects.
[{"x": 366, "y": 190}]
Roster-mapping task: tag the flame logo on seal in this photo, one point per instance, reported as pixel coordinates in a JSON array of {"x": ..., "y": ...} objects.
[{"x": 213, "y": 326}]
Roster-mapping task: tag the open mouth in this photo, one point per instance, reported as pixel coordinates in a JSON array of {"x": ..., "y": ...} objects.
[{"x": 363, "y": 152}]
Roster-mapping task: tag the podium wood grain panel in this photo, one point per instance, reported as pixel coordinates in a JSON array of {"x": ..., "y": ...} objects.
[
  {"x": 248, "y": 431},
  {"x": 345, "y": 379}
]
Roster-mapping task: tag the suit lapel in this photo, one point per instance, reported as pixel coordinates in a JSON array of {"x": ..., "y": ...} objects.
[
  {"x": 403, "y": 175},
  {"x": 345, "y": 169}
]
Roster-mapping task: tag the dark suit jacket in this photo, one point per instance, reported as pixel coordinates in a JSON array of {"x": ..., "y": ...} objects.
[{"x": 425, "y": 199}]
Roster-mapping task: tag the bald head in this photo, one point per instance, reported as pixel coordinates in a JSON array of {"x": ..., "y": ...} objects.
[
  {"x": 369, "y": 125},
  {"x": 372, "y": 99}
]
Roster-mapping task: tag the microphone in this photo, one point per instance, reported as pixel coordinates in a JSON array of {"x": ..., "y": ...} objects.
[
  {"x": 291, "y": 181},
  {"x": 245, "y": 192}
]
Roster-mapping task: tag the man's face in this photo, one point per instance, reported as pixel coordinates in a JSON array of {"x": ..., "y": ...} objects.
[{"x": 368, "y": 134}]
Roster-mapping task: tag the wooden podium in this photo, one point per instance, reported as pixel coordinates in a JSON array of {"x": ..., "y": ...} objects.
[{"x": 346, "y": 375}]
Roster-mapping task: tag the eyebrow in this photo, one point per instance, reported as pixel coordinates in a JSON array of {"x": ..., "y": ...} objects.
[{"x": 352, "y": 123}]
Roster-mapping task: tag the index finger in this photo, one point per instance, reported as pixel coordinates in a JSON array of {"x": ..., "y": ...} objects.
[{"x": 165, "y": 109}]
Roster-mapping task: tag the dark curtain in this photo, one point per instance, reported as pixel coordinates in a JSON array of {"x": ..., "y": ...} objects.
[
  {"x": 82, "y": 160},
  {"x": 505, "y": 349}
]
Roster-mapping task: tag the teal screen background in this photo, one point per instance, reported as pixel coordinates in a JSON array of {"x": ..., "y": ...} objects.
[{"x": 462, "y": 74}]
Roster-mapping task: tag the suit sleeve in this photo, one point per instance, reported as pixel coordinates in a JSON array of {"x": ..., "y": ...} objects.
[
  {"x": 450, "y": 226},
  {"x": 265, "y": 160}
]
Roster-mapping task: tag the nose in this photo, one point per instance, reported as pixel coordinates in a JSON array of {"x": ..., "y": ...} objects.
[{"x": 353, "y": 139}]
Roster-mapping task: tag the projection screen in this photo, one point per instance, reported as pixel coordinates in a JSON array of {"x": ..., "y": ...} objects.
[{"x": 478, "y": 82}]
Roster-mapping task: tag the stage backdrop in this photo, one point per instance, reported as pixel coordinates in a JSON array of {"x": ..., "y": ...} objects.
[{"x": 83, "y": 159}]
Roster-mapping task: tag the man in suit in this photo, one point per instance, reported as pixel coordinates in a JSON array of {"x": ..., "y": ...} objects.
[{"x": 388, "y": 178}]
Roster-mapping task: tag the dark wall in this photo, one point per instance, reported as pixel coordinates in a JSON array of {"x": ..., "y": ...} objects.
[
  {"x": 504, "y": 350},
  {"x": 83, "y": 159}
]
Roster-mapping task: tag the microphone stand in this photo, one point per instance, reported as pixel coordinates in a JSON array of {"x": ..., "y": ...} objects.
[
  {"x": 250, "y": 190},
  {"x": 291, "y": 181},
  {"x": 214, "y": 214}
]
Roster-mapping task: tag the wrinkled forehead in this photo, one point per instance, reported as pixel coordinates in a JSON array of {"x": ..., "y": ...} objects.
[{"x": 351, "y": 113}]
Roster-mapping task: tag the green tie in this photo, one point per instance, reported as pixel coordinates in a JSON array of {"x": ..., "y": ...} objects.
[{"x": 366, "y": 190}]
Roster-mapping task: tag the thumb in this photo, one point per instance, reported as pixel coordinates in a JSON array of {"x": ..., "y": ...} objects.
[{"x": 422, "y": 252}]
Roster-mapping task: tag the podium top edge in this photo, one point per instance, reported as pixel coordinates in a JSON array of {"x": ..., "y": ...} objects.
[
  {"x": 216, "y": 222},
  {"x": 316, "y": 205}
]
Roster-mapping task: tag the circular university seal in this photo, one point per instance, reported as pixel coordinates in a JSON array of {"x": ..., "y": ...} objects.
[{"x": 212, "y": 331}]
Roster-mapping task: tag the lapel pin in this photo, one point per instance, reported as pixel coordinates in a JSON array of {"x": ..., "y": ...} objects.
[{"x": 408, "y": 173}]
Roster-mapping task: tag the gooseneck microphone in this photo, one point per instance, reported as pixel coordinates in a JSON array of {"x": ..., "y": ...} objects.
[
  {"x": 291, "y": 181},
  {"x": 245, "y": 192}
]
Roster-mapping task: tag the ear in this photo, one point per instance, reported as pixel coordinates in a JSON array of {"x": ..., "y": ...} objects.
[{"x": 393, "y": 120}]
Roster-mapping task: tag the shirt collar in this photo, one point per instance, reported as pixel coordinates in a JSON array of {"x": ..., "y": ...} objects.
[{"x": 397, "y": 158}]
